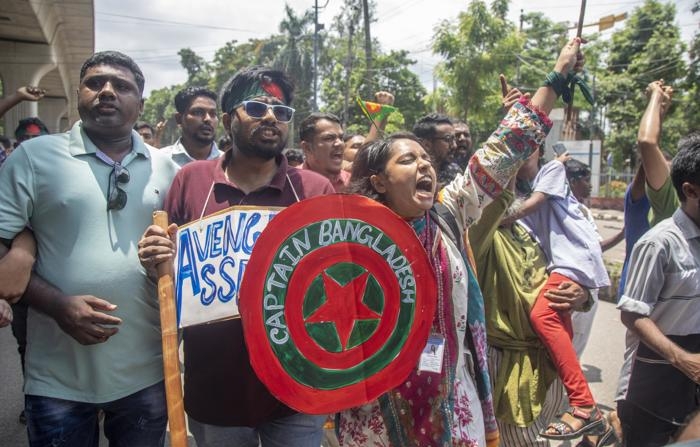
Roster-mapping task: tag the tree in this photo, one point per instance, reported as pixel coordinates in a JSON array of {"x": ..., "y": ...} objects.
[
  {"x": 690, "y": 104},
  {"x": 344, "y": 75},
  {"x": 391, "y": 73},
  {"x": 367, "y": 19},
  {"x": 160, "y": 106},
  {"x": 543, "y": 40},
  {"x": 646, "y": 49},
  {"x": 479, "y": 47},
  {"x": 295, "y": 57},
  {"x": 197, "y": 68},
  {"x": 234, "y": 56}
]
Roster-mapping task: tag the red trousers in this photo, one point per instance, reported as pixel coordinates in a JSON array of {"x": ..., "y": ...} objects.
[{"x": 555, "y": 332}]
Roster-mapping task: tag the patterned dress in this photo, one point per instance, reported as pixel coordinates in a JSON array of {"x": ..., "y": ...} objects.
[{"x": 453, "y": 407}]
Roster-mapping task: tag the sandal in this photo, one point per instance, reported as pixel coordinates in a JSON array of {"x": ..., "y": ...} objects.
[
  {"x": 593, "y": 424},
  {"x": 609, "y": 437}
]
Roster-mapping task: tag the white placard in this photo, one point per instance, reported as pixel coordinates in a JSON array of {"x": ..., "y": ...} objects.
[{"x": 212, "y": 254}]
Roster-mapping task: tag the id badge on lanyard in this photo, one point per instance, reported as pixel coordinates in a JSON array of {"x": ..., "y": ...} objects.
[{"x": 433, "y": 354}]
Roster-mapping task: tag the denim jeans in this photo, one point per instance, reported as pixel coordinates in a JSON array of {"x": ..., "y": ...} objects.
[
  {"x": 137, "y": 420},
  {"x": 297, "y": 430}
]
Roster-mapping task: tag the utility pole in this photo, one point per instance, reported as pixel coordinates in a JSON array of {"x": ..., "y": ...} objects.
[
  {"x": 517, "y": 72},
  {"x": 317, "y": 27},
  {"x": 590, "y": 130},
  {"x": 314, "y": 106},
  {"x": 368, "y": 46},
  {"x": 349, "y": 63}
]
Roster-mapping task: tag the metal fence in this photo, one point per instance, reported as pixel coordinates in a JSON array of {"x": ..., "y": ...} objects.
[{"x": 613, "y": 183}]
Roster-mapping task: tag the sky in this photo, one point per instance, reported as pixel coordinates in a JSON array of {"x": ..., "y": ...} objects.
[{"x": 152, "y": 32}]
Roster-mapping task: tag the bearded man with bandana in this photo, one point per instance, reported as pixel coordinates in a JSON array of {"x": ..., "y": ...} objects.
[{"x": 225, "y": 402}]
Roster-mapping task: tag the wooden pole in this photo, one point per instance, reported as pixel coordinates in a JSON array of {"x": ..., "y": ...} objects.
[
  {"x": 171, "y": 359},
  {"x": 581, "y": 15},
  {"x": 570, "y": 107}
]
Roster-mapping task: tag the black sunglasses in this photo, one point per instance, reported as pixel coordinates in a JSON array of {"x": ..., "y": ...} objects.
[
  {"x": 257, "y": 110},
  {"x": 116, "y": 196}
]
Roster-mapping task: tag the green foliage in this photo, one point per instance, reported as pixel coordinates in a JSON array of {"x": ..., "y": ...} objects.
[
  {"x": 292, "y": 52},
  {"x": 543, "y": 40},
  {"x": 614, "y": 188},
  {"x": 479, "y": 47},
  {"x": 295, "y": 57},
  {"x": 646, "y": 49},
  {"x": 160, "y": 106},
  {"x": 234, "y": 56},
  {"x": 344, "y": 75},
  {"x": 689, "y": 105},
  {"x": 197, "y": 68}
]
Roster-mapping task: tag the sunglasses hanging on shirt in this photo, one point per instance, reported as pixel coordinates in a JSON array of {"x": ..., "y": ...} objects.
[{"x": 118, "y": 177}]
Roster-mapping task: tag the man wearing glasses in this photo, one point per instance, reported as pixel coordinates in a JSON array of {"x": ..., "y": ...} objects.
[
  {"x": 226, "y": 403},
  {"x": 197, "y": 117},
  {"x": 94, "y": 339},
  {"x": 437, "y": 134}
]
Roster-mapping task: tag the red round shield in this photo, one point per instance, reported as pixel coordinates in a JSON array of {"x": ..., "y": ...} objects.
[{"x": 337, "y": 302}]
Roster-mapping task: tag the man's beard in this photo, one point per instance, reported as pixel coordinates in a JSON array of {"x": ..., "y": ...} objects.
[
  {"x": 203, "y": 140},
  {"x": 247, "y": 148}
]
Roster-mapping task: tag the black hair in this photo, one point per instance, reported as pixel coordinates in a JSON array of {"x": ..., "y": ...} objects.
[
  {"x": 686, "y": 164},
  {"x": 114, "y": 58},
  {"x": 371, "y": 159},
  {"x": 142, "y": 124},
  {"x": 426, "y": 126},
  {"x": 225, "y": 143},
  {"x": 26, "y": 122},
  {"x": 294, "y": 155},
  {"x": 307, "y": 127},
  {"x": 349, "y": 136},
  {"x": 185, "y": 97},
  {"x": 5, "y": 142},
  {"x": 243, "y": 78},
  {"x": 576, "y": 169}
]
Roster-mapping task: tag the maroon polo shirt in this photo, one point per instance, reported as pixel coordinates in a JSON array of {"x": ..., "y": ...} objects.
[
  {"x": 340, "y": 182},
  {"x": 221, "y": 387}
]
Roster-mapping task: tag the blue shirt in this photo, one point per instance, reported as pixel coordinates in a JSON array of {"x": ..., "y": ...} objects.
[
  {"x": 636, "y": 224},
  {"x": 568, "y": 239}
]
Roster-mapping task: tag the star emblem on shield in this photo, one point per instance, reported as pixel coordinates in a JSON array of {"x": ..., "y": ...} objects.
[{"x": 337, "y": 302}]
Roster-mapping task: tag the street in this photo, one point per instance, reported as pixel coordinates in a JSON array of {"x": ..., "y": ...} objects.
[{"x": 601, "y": 360}]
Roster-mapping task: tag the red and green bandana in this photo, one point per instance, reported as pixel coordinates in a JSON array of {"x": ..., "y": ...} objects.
[{"x": 264, "y": 86}]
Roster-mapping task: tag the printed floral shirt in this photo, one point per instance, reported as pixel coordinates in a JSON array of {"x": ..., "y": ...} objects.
[{"x": 462, "y": 413}]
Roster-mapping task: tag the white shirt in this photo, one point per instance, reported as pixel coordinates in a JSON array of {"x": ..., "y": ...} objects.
[{"x": 179, "y": 154}]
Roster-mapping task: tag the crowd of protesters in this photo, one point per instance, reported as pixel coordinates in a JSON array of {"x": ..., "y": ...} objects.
[{"x": 515, "y": 252}]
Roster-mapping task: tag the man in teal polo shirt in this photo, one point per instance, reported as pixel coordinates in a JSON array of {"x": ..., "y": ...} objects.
[{"x": 93, "y": 329}]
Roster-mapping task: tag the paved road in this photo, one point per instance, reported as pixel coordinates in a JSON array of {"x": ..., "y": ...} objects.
[
  {"x": 601, "y": 360},
  {"x": 12, "y": 433}
]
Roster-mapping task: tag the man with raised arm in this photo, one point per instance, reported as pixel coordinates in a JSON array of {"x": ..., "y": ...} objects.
[{"x": 660, "y": 378}]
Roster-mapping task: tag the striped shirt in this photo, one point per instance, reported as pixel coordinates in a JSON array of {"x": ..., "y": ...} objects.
[{"x": 663, "y": 283}]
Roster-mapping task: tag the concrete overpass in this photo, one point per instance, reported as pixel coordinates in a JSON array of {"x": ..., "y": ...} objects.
[{"x": 45, "y": 43}]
